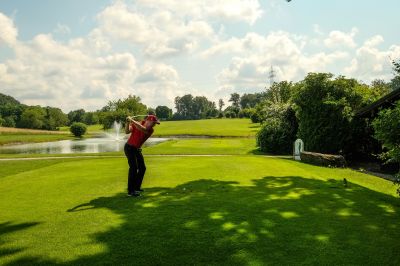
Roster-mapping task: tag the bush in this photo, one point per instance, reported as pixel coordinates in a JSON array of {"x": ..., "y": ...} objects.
[
  {"x": 387, "y": 130},
  {"x": 278, "y": 132},
  {"x": 325, "y": 109},
  {"x": 78, "y": 129},
  {"x": 1, "y": 121}
]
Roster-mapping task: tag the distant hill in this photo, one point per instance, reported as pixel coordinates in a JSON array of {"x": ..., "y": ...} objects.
[{"x": 5, "y": 99}]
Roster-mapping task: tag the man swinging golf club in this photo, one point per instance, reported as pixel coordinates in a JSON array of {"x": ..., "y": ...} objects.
[{"x": 140, "y": 132}]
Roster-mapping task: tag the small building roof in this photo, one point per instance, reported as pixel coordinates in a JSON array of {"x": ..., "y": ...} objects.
[{"x": 384, "y": 102}]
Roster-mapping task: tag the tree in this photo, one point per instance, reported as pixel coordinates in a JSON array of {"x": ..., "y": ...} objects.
[
  {"x": 54, "y": 118},
  {"x": 76, "y": 116},
  {"x": 387, "y": 131},
  {"x": 280, "y": 92},
  {"x": 250, "y": 100},
  {"x": 78, "y": 129},
  {"x": 232, "y": 111},
  {"x": 91, "y": 118},
  {"x": 220, "y": 104},
  {"x": 163, "y": 112},
  {"x": 189, "y": 107},
  {"x": 235, "y": 99},
  {"x": 118, "y": 110},
  {"x": 33, "y": 117},
  {"x": 325, "y": 109},
  {"x": 395, "y": 82},
  {"x": 380, "y": 87}
]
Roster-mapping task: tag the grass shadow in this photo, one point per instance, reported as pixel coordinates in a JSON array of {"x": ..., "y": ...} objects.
[
  {"x": 9, "y": 228},
  {"x": 276, "y": 221}
]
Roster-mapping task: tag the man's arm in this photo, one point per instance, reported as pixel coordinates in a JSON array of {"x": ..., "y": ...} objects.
[{"x": 138, "y": 125}]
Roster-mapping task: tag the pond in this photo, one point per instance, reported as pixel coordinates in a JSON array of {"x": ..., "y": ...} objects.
[{"x": 90, "y": 145}]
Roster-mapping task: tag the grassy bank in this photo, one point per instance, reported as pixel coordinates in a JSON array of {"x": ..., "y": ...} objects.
[{"x": 232, "y": 210}]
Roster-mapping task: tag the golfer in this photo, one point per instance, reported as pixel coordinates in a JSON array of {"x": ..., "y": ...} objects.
[{"x": 140, "y": 132}]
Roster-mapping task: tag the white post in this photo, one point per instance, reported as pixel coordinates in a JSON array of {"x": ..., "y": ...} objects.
[{"x": 297, "y": 149}]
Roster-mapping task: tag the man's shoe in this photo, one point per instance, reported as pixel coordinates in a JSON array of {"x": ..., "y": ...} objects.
[{"x": 136, "y": 194}]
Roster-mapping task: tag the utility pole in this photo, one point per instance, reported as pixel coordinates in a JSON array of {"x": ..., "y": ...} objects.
[{"x": 271, "y": 76}]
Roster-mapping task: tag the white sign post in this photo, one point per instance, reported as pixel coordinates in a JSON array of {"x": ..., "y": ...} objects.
[{"x": 298, "y": 148}]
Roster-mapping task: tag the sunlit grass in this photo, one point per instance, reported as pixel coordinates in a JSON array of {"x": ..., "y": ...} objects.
[
  {"x": 229, "y": 210},
  {"x": 208, "y": 127}
]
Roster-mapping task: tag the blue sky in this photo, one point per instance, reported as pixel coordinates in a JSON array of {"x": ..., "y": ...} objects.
[{"x": 76, "y": 54}]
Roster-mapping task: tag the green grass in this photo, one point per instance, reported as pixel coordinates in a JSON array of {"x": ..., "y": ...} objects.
[
  {"x": 208, "y": 127},
  {"x": 205, "y": 146},
  {"x": 10, "y": 138},
  {"x": 229, "y": 210}
]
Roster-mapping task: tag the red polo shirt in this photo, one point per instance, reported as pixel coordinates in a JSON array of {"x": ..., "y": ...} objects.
[{"x": 137, "y": 137}]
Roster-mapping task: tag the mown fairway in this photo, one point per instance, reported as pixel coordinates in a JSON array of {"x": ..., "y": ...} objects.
[
  {"x": 225, "y": 210},
  {"x": 209, "y": 127}
]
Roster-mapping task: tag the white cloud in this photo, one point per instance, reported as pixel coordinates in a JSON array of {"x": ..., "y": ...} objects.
[
  {"x": 341, "y": 39},
  {"x": 160, "y": 33},
  {"x": 8, "y": 31},
  {"x": 67, "y": 75},
  {"x": 255, "y": 54},
  {"x": 247, "y": 11},
  {"x": 371, "y": 63}
]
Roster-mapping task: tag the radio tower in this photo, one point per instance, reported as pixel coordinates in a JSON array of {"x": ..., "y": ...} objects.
[{"x": 271, "y": 76}]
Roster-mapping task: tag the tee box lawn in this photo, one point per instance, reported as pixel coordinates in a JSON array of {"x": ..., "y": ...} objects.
[{"x": 233, "y": 209}]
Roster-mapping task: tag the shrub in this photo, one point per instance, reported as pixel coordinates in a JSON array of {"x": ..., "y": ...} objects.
[
  {"x": 1, "y": 121},
  {"x": 278, "y": 132},
  {"x": 78, "y": 129}
]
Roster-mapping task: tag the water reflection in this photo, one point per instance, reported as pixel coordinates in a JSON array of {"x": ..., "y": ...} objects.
[{"x": 92, "y": 145}]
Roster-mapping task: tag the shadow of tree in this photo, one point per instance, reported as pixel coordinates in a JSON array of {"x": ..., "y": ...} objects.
[
  {"x": 8, "y": 228},
  {"x": 277, "y": 221}
]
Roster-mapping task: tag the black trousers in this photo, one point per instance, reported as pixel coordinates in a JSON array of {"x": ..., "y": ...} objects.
[{"x": 137, "y": 168}]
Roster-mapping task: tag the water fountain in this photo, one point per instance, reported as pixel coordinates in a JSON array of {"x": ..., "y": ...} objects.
[{"x": 115, "y": 134}]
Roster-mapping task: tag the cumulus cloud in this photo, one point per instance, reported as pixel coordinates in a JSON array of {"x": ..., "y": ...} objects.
[
  {"x": 47, "y": 72},
  {"x": 247, "y": 11},
  {"x": 8, "y": 31},
  {"x": 338, "y": 39},
  {"x": 159, "y": 33},
  {"x": 371, "y": 63},
  {"x": 255, "y": 54}
]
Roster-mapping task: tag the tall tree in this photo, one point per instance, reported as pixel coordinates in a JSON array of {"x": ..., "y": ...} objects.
[
  {"x": 220, "y": 104},
  {"x": 163, "y": 112},
  {"x": 235, "y": 99}
]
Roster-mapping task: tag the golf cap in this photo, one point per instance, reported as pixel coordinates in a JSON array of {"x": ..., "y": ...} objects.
[{"x": 153, "y": 118}]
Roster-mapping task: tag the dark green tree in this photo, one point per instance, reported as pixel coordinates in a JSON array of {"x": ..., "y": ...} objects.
[
  {"x": 235, "y": 99},
  {"x": 33, "y": 117},
  {"x": 325, "y": 108},
  {"x": 76, "y": 116},
  {"x": 163, "y": 112}
]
